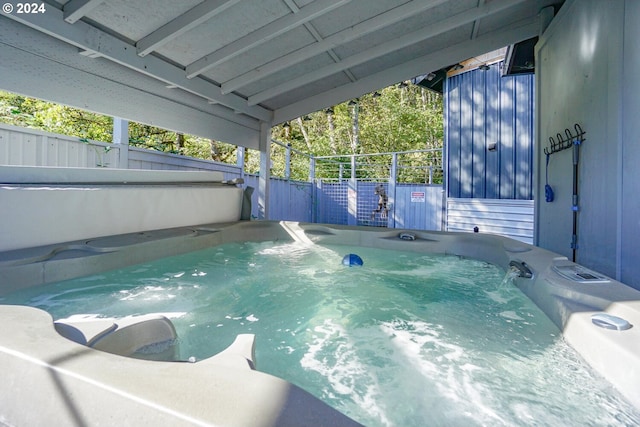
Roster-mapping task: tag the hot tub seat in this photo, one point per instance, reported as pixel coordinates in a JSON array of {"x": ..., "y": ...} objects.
[
  {"x": 75, "y": 384},
  {"x": 148, "y": 337},
  {"x": 151, "y": 337}
]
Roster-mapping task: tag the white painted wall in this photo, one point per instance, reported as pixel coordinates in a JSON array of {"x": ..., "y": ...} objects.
[
  {"x": 629, "y": 200},
  {"x": 587, "y": 72}
]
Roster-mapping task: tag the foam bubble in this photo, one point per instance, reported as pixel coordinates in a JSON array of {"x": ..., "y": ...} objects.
[
  {"x": 511, "y": 315},
  {"x": 497, "y": 296},
  {"x": 332, "y": 354}
]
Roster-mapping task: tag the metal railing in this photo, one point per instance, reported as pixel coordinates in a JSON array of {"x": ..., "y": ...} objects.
[{"x": 409, "y": 167}]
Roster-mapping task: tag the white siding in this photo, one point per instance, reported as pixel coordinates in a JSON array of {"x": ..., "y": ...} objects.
[{"x": 506, "y": 217}]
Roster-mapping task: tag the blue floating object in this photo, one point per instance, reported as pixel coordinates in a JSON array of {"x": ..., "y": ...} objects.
[{"x": 352, "y": 260}]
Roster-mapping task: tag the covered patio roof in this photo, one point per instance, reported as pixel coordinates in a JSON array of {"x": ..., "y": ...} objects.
[{"x": 221, "y": 68}]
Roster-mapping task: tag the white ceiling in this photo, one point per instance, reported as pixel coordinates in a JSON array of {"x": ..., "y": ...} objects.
[{"x": 218, "y": 68}]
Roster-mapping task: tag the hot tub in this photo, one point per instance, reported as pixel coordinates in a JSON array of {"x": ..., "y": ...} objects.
[{"x": 74, "y": 383}]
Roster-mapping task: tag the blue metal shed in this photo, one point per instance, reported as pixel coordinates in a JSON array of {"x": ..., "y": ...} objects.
[{"x": 489, "y": 122}]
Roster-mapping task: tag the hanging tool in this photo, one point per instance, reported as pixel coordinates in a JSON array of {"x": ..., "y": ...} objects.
[
  {"x": 559, "y": 144},
  {"x": 577, "y": 141},
  {"x": 548, "y": 191}
]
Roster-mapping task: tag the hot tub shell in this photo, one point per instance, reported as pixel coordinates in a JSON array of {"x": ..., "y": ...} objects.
[{"x": 77, "y": 384}]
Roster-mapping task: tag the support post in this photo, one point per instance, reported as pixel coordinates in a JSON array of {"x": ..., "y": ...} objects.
[
  {"x": 353, "y": 167},
  {"x": 391, "y": 197},
  {"x": 265, "y": 171},
  {"x": 312, "y": 169},
  {"x": 352, "y": 202},
  {"x": 287, "y": 162},
  {"x": 314, "y": 189},
  {"x": 121, "y": 138},
  {"x": 240, "y": 159},
  {"x": 352, "y": 195}
]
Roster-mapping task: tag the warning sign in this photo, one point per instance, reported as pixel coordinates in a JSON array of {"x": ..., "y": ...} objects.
[{"x": 417, "y": 197}]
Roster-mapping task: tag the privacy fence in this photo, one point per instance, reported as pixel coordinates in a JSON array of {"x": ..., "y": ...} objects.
[{"x": 394, "y": 190}]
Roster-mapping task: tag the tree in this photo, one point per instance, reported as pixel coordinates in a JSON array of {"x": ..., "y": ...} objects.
[
  {"x": 397, "y": 118},
  {"x": 21, "y": 111},
  {"x": 27, "y": 112}
]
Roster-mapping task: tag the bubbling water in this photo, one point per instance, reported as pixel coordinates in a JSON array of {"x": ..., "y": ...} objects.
[{"x": 407, "y": 339}]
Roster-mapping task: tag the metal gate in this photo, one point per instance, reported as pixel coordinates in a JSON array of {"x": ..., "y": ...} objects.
[
  {"x": 395, "y": 190},
  {"x": 409, "y": 205}
]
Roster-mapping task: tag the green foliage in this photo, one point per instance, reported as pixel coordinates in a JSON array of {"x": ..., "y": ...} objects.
[
  {"x": 395, "y": 119},
  {"x": 34, "y": 113},
  {"x": 26, "y": 112}
]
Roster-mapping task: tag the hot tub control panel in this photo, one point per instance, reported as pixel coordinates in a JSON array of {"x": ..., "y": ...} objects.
[{"x": 577, "y": 273}]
